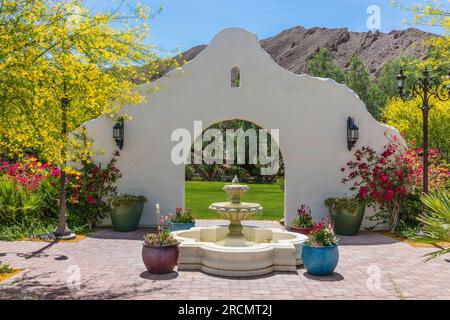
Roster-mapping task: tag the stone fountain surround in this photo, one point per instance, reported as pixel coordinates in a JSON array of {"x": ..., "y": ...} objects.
[{"x": 262, "y": 258}]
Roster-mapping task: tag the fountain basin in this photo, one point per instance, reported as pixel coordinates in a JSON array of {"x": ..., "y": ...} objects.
[{"x": 258, "y": 252}]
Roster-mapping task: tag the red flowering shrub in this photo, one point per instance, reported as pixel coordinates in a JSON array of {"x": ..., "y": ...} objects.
[
  {"x": 87, "y": 189},
  {"x": 87, "y": 193},
  {"x": 383, "y": 178},
  {"x": 28, "y": 173},
  {"x": 438, "y": 169}
]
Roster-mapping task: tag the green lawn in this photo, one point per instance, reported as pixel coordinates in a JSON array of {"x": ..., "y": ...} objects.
[{"x": 199, "y": 195}]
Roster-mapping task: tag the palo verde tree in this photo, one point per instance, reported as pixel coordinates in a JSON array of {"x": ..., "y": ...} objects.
[{"x": 61, "y": 65}]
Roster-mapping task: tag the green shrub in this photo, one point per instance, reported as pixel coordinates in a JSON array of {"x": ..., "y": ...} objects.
[
  {"x": 16, "y": 202},
  {"x": 411, "y": 207},
  {"x": 407, "y": 229},
  {"x": 5, "y": 268}
]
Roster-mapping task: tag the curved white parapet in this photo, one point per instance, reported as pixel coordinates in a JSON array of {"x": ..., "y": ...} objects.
[{"x": 264, "y": 251}]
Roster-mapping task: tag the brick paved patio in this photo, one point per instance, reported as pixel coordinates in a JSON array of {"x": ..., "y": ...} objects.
[{"x": 111, "y": 268}]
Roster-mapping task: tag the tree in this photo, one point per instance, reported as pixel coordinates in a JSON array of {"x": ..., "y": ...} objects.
[
  {"x": 387, "y": 80},
  {"x": 406, "y": 116},
  {"x": 435, "y": 14},
  {"x": 67, "y": 66},
  {"x": 357, "y": 78},
  {"x": 376, "y": 98},
  {"x": 385, "y": 86},
  {"x": 322, "y": 65}
]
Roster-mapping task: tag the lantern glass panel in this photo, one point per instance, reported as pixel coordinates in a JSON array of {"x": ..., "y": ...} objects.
[{"x": 117, "y": 132}]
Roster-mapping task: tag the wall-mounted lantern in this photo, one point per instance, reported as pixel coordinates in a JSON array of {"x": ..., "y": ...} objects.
[
  {"x": 352, "y": 133},
  {"x": 118, "y": 132}
]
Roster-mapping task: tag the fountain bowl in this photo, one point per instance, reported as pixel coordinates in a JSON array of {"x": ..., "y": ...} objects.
[{"x": 259, "y": 251}]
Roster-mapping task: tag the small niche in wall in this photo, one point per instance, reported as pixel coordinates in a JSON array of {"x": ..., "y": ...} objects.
[{"x": 235, "y": 77}]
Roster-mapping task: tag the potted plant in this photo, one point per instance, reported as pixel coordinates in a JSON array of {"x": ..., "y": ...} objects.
[
  {"x": 160, "y": 252},
  {"x": 320, "y": 254},
  {"x": 346, "y": 214},
  {"x": 303, "y": 222},
  {"x": 181, "y": 220},
  {"x": 126, "y": 211}
]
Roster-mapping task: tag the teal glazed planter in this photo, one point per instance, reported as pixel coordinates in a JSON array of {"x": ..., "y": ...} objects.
[
  {"x": 320, "y": 261},
  {"x": 174, "y": 226},
  {"x": 126, "y": 218},
  {"x": 347, "y": 223}
]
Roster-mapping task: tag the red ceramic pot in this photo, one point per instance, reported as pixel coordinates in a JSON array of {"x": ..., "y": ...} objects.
[
  {"x": 305, "y": 231},
  {"x": 161, "y": 259}
]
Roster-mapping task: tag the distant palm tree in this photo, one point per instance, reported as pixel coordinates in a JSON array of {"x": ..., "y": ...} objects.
[{"x": 436, "y": 220}]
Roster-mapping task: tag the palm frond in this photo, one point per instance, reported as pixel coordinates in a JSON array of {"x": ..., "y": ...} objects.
[{"x": 436, "y": 220}]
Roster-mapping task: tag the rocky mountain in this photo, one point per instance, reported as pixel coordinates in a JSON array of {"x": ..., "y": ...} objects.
[{"x": 293, "y": 48}]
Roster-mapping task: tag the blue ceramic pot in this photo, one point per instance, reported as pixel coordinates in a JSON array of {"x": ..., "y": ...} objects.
[
  {"x": 173, "y": 226},
  {"x": 320, "y": 261}
]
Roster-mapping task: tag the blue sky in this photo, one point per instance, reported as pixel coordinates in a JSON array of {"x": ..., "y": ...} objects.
[{"x": 183, "y": 24}]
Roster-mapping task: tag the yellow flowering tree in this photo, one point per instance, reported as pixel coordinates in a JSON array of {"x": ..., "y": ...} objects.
[
  {"x": 406, "y": 116},
  {"x": 61, "y": 65}
]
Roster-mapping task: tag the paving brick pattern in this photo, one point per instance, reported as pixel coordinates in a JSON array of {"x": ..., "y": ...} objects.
[{"x": 371, "y": 266}]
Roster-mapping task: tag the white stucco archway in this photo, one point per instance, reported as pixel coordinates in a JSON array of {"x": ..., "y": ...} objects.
[{"x": 310, "y": 113}]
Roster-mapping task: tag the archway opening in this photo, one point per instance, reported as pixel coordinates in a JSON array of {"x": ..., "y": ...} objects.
[{"x": 204, "y": 180}]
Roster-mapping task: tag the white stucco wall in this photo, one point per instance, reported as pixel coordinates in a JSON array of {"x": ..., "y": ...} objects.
[{"x": 310, "y": 112}]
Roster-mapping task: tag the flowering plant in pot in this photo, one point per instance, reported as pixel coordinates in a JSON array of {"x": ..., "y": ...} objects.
[
  {"x": 181, "y": 220},
  {"x": 160, "y": 252},
  {"x": 347, "y": 214},
  {"x": 320, "y": 254},
  {"x": 303, "y": 222},
  {"x": 126, "y": 211}
]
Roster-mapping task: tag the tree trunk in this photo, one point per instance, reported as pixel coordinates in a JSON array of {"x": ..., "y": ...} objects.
[
  {"x": 62, "y": 229},
  {"x": 395, "y": 216}
]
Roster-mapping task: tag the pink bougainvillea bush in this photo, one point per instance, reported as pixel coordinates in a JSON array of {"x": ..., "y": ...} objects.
[
  {"x": 381, "y": 178},
  {"x": 389, "y": 177}
]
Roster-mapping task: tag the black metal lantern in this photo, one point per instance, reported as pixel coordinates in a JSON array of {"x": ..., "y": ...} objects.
[
  {"x": 118, "y": 133},
  {"x": 352, "y": 133},
  {"x": 401, "y": 81}
]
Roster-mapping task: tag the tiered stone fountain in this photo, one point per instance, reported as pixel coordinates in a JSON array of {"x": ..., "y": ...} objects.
[
  {"x": 235, "y": 211},
  {"x": 237, "y": 250}
]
